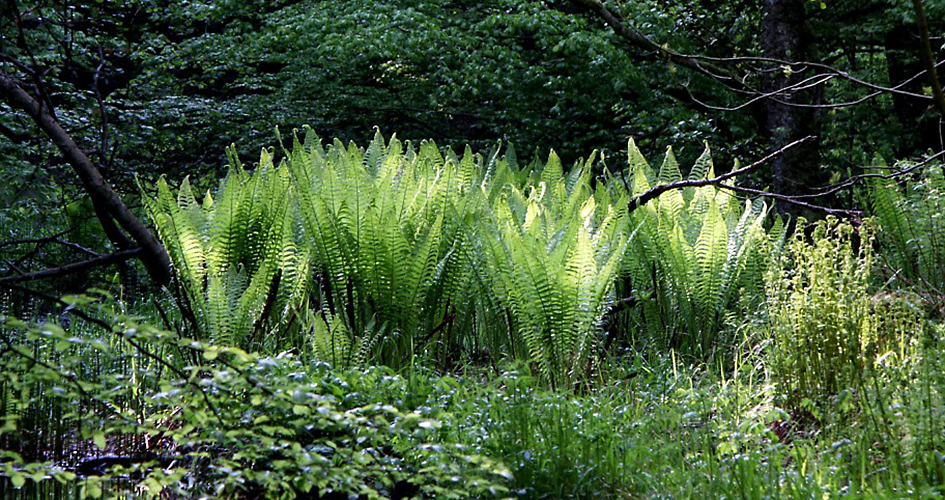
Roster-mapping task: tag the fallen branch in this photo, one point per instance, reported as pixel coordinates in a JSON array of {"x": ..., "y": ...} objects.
[{"x": 76, "y": 267}]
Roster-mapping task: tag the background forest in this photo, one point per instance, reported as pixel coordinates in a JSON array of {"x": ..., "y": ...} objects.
[{"x": 472, "y": 249}]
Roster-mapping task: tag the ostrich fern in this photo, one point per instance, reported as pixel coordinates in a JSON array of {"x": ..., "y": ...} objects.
[
  {"x": 382, "y": 253},
  {"x": 551, "y": 260},
  {"x": 386, "y": 226},
  {"x": 908, "y": 211},
  {"x": 695, "y": 250},
  {"x": 237, "y": 260}
]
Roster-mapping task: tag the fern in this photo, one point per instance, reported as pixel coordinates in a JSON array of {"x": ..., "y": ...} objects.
[
  {"x": 376, "y": 219},
  {"x": 235, "y": 253},
  {"x": 692, "y": 250},
  {"x": 395, "y": 250},
  {"x": 553, "y": 265},
  {"x": 912, "y": 233}
]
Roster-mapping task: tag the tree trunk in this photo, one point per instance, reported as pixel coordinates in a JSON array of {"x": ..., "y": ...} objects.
[
  {"x": 153, "y": 255},
  {"x": 785, "y": 36}
]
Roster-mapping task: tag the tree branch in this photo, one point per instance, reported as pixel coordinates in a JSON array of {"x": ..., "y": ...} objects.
[
  {"x": 701, "y": 64},
  {"x": 652, "y": 194},
  {"x": 152, "y": 254},
  {"x": 75, "y": 267},
  {"x": 625, "y": 31}
]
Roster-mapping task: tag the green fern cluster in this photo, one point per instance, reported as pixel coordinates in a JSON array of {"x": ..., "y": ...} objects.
[
  {"x": 385, "y": 253},
  {"x": 913, "y": 233},
  {"x": 387, "y": 228},
  {"x": 553, "y": 249},
  {"x": 695, "y": 251},
  {"x": 237, "y": 256}
]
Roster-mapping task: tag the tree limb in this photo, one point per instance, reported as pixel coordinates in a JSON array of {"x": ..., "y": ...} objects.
[
  {"x": 652, "y": 194},
  {"x": 627, "y": 32},
  {"x": 75, "y": 267},
  {"x": 703, "y": 64},
  {"x": 153, "y": 254}
]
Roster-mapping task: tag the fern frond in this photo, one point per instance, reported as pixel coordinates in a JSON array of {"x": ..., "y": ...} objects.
[
  {"x": 669, "y": 171},
  {"x": 711, "y": 255},
  {"x": 703, "y": 168}
]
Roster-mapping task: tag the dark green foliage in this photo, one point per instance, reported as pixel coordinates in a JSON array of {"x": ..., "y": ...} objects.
[
  {"x": 233, "y": 425},
  {"x": 907, "y": 210}
]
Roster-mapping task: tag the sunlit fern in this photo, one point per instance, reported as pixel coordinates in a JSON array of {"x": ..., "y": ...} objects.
[
  {"x": 238, "y": 264},
  {"x": 386, "y": 224},
  {"x": 552, "y": 257},
  {"x": 694, "y": 251}
]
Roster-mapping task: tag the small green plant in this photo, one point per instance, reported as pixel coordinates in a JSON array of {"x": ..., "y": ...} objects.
[
  {"x": 827, "y": 328},
  {"x": 819, "y": 311}
]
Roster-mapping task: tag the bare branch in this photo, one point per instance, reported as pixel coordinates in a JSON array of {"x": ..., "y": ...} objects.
[
  {"x": 36, "y": 240},
  {"x": 701, "y": 64},
  {"x": 75, "y": 267},
  {"x": 718, "y": 181},
  {"x": 627, "y": 32},
  {"x": 793, "y": 200}
]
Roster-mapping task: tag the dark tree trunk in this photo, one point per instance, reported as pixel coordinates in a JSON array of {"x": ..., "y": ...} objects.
[
  {"x": 109, "y": 206},
  {"x": 919, "y": 122},
  {"x": 786, "y": 36}
]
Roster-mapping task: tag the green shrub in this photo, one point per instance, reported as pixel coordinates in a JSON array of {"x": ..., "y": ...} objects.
[
  {"x": 826, "y": 327},
  {"x": 232, "y": 425}
]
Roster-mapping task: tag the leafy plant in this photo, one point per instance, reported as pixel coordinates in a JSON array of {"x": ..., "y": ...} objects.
[
  {"x": 825, "y": 326},
  {"x": 553, "y": 250},
  {"x": 694, "y": 253},
  {"x": 240, "y": 269},
  {"x": 387, "y": 226},
  {"x": 233, "y": 425}
]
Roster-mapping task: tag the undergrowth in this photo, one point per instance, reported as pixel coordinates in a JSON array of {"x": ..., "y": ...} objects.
[{"x": 400, "y": 322}]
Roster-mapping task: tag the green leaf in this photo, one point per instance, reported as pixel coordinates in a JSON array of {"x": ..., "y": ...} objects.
[{"x": 98, "y": 437}]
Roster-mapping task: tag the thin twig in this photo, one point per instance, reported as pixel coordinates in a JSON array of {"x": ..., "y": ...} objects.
[
  {"x": 75, "y": 267},
  {"x": 36, "y": 240}
]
